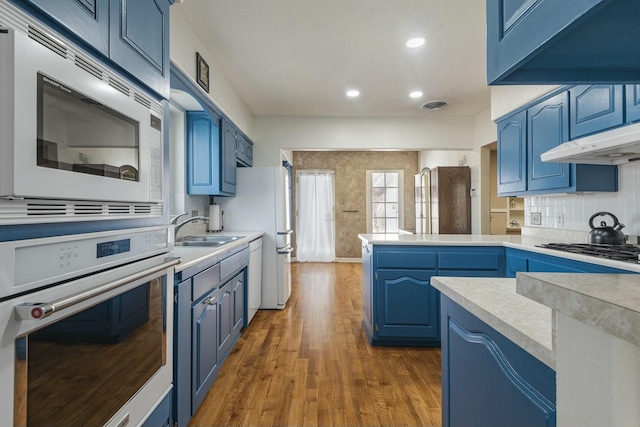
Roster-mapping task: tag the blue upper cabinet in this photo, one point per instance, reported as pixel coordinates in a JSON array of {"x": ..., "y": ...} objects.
[
  {"x": 203, "y": 153},
  {"x": 512, "y": 153},
  {"x": 595, "y": 108},
  {"x": 525, "y": 135},
  {"x": 228, "y": 166},
  {"x": 571, "y": 42},
  {"x": 133, "y": 34},
  {"x": 88, "y": 19},
  {"x": 211, "y": 158},
  {"x": 139, "y": 40},
  {"x": 244, "y": 151},
  {"x": 547, "y": 127},
  {"x": 632, "y": 103}
]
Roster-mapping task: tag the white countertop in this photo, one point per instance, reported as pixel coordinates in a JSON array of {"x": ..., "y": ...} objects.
[
  {"x": 609, "y": 302},
  {"x": 495, "y": 302},
  {"x": 192, "y": 255},
  {"x": 527, "y": 243}
]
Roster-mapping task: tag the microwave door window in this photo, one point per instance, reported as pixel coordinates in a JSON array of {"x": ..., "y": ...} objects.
[{"x": 79, "y": 134}]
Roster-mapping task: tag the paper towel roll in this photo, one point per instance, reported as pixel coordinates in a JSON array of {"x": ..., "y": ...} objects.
[{"x": 215, "y": 223}]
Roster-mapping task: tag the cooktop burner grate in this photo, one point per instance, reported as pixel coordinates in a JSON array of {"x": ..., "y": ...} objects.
[{"x": 629, "y": 253}]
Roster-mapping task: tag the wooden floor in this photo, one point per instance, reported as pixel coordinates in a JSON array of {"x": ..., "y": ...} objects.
[{"x": 311, "y": 365}]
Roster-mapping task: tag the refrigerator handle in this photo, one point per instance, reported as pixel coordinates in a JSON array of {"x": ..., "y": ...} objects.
[
  {"x": 284, "y": 233},
  {"x": 285, "y": 250}
]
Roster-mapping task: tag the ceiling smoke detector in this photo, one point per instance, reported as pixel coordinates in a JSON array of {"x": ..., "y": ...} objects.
[{"x": 434, "y": 106}]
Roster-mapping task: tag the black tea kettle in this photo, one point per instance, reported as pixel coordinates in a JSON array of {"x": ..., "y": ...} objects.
[{"x": 605, "y": 235}]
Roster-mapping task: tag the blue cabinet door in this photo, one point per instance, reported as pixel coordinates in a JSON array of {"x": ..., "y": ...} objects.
[
  {"x": 225, "y": 320},
  {"x": 632, "y": 113},
  {"x": 204, "y": 348},
  {"x": 228, "y": 165},
  {"x": 594, "y": 108},
  {"x": 512, "y": 153},
  {"x": 244, "y": 151},
  {"x": 139, "y": 40},
  {"x": 203, "y": 154},
  {"x": 547, "y": 127},
  {"x": 487, "y": 380},
  {"x": 238, "y": 287},
  {"x": 87, "y": 19},
  {"x": 556, "y": 42},
  {"x": 407, "y": 304}
]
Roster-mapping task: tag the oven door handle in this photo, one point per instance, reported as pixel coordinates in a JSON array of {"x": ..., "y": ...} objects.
[{"x": 37, "y": 311}]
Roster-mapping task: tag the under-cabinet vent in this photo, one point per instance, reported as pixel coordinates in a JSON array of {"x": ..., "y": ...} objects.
[
  {"x": 47, "y": 41},
  {"x": 119, "y": 209},
  {"x": 43, "y": 209},
  {"x": 88, "y": 67},
  {"x": 21, "y": 211},
  {"x": 119, "y": 86},
  {"x": 87, "y": 209},
  {"x": 142, "y": 209},
  {"x": 142, "y": 100}
]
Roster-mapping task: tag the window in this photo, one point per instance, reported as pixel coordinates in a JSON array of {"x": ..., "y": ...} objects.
[{"x": 385, "y": 213}]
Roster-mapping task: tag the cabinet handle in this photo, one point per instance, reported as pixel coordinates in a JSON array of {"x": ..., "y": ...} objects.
[{"x": 210, "y": 301}]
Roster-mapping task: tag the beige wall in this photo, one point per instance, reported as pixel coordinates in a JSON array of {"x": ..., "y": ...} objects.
[
  {"x": 350, "y": 182},
  {"x": 184, "y": 45}
]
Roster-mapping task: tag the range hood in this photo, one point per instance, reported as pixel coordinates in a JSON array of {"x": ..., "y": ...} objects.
[{"x": 613, "y": 147}]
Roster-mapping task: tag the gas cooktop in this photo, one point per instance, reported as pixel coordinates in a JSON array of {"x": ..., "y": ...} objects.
[{"x": 628, "y": 253}]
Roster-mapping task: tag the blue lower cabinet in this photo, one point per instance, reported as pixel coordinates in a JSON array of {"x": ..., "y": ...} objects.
[
  {"x": 407, "y": 305},
  {"x": 161, "y": 415},
  {"x": 204, "y": 352},
  {"x": 487, "y": 380},
  {"x": 210, "y": 307},
  {"x": 225, "y": 320},
  {"x": 400, "y": 307},
  {"x": 526, "y": 261}
]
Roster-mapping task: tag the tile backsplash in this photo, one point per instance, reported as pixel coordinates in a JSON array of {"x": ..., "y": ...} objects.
[{"x": 576, "y": 209}]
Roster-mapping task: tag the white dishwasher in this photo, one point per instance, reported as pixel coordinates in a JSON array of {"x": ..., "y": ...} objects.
[{"x": 254, "y": 287}]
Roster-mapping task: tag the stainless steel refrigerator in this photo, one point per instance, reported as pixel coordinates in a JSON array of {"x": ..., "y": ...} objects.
[
  {"x": 262, "y": 203},
  {"x": 443, "y": 201}
]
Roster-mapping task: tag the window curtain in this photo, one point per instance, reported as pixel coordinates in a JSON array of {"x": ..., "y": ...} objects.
[{"x": 315, "y": 236}]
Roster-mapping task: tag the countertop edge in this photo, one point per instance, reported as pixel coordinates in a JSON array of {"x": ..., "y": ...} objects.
[
  {"x": 192, "y": 255},
  {"x": 607, "y": 316},
  {"x": 537, "y": 349},
  {"x": 525, "y": 243}
]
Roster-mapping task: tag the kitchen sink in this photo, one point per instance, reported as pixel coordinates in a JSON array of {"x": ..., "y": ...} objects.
[{"x": 210, "y": 241}]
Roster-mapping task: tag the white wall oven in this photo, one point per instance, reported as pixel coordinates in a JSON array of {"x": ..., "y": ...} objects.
[
  {"x": 86, "y": 328},
  {"x": 77, "y": 141}
]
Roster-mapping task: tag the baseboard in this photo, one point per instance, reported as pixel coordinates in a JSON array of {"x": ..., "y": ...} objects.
[{"x": 346, "y": 260}]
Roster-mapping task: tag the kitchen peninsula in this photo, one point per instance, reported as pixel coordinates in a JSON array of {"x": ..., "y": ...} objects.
[{"x": 520, "y": 335}]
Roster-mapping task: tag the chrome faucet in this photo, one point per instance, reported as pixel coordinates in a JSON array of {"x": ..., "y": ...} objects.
[
  {"x": 174, "y": 220},
  {"x": 185, "y": 222}
]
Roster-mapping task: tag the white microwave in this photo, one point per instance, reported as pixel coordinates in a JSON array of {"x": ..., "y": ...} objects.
[{"x": 77, "y": 141}]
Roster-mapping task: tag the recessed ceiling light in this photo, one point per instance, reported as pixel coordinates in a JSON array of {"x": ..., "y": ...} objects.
[
  {"x": 353, "y": 93},
  {"x": 415, "y": 42},
  {"x": 415, "y": 94}
]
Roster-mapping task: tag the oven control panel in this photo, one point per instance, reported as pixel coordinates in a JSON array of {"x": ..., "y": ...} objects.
[{"x": 30, "y": 264}]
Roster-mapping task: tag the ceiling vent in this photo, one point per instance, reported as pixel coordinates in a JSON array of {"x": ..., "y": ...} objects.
[{"x": 434, "y": 106}]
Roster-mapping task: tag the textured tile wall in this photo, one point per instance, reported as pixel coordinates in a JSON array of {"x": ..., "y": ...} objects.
[
  {"x": 577, "y": 209},
  {"x": 350, "y": 180}
]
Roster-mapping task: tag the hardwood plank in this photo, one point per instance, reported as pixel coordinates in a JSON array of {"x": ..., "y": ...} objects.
[{"x": 311, "y": 365}]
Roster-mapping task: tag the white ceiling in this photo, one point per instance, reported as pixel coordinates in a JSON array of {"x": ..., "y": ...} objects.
[{"x": 298, "y": 57}]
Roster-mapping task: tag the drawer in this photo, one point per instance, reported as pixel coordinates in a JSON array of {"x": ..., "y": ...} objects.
[
  {"x": 205, "y": 281},
  {"x": 406, "y": 257},
  {"x": 229, "y": 266},
  {"x": 469, "y": 260}
]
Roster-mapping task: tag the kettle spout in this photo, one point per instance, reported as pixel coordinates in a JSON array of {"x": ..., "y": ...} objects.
[{"x": 619, "y": 226}]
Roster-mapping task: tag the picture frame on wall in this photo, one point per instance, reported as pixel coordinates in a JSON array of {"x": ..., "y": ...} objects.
[{"x": 202, "y": 72}]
